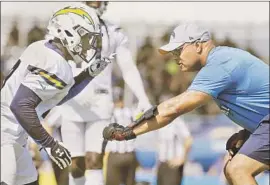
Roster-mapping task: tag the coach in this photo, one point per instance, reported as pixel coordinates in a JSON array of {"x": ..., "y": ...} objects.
[{"x": 239, "y": 84}]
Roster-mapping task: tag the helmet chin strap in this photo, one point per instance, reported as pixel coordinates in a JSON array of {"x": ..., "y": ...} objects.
[{"x": 76, "y": 58}]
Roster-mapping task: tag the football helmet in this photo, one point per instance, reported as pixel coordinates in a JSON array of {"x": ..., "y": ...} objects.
[{"x": 78, "y": 29}]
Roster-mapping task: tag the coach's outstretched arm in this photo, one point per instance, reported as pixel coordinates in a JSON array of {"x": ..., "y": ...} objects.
[{"x": 158, "y": 117}]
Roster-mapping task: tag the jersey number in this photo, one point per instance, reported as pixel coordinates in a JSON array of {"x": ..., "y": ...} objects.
[{"x": 13, "y": 69}]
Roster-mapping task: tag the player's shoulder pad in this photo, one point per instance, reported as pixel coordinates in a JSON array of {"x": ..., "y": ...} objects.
[{"x": 39, "y": 56}]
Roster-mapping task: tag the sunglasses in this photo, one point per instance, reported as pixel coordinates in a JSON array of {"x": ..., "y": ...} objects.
[{"x": 177, "y": 52}]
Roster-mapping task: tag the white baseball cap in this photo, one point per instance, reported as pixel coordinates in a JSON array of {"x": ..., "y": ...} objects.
[{"x": 185, "y": 33}]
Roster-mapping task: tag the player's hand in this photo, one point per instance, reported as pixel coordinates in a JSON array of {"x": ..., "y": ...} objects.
[
  {"x": 236, "y": 141},
  {"x": 117, "y": 132},
  {"x": 98, "y": 65},
  {"x": 59, "y": 155}
]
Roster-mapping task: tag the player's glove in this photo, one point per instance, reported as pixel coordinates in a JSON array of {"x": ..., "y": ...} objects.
[
  {"x": 236, "y": 141},
  {"x": 98, "y": 65},
  {"x": 117, "y": 132},
  {"x": 59, "y": 155}
]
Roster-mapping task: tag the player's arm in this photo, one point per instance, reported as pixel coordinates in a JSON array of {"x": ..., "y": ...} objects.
[
  {"x": 129, "y": 70},
  {"x": 86, "y": 76},
  {"x": 23, "y": 106},
  {"x": 37, "y": 86}
]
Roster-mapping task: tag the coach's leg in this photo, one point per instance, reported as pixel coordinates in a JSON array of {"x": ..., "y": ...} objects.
[
  {"x": 94, "y": 156},
  {"x": 252, "y": 159},
  {"x": 74, "y": 139},
  {"x": 243, "y": 169}
]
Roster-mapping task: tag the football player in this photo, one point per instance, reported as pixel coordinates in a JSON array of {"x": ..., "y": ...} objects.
[
  {"x": 92, "y": 109},
  {"x": 41, "y": 79}
]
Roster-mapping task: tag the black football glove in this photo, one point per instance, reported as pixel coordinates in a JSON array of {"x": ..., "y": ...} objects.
[
  {"x": 118, "y": 132},
  {"x": 236, "y": 141}
]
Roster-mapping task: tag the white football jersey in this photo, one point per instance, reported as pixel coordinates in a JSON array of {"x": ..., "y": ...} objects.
[
  {"x": 171, "y": 140},
  {"x": 95, "y": 102},
  {"x": 43, "y": 70}
]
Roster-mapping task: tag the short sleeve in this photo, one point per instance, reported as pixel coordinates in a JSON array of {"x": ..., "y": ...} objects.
[
  {"x": 211, "y": 80},
  {"x": 45, "y": 84}
]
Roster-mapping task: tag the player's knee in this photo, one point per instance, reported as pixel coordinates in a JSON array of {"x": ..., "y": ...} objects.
[
  {"x": 93, "y": 160},
  {"x": 77, "y": 167},
  {"x": 233, "y": 170}
]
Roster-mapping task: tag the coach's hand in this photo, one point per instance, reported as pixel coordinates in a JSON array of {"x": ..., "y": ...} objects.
[
  {"x": 117, "y": 132},
  {"x": 236, "y": 141},
  {"x": 59, "y": 155}
]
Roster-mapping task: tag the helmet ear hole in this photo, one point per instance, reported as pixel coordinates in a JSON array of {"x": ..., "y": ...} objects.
[{"x": 68, "y": 33}]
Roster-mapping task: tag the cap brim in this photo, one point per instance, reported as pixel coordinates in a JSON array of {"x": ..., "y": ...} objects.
[{"x": 168, "y": 48}]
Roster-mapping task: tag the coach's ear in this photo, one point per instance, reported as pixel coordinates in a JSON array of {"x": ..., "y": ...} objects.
[{"x": 199, "y": 46}]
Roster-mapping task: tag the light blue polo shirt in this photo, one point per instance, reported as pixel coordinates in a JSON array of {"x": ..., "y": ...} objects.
[{"x": 238, "y": 82}]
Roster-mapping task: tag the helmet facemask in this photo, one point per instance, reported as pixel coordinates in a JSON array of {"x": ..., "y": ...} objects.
[{"x": 88, "y": 47}]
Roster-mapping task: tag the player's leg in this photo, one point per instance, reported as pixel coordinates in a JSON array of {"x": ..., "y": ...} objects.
[
  {"x": 169, "y": 175},
  {"x": 131, "y": 168},
  {"x": 8, "y": 165},
  {"x": 26, "y": 171},
  {"x": 111, "y": 169},
  {"x": 252, "y": 159},
  {"x": 94, "y": 156},
  {"x": 73, "y": 135},
  {"x": 162, "y": 167},
  {"x": 181, "y": 174},
  {"x": 17, "y": 166}
]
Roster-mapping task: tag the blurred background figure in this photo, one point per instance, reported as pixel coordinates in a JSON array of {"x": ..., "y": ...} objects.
[
  {"x": 35, "y": 33},
  {"x": 120, "y": 159},
  {"x": 174, "y": 144},
  {"x": 11, "y": 50}
]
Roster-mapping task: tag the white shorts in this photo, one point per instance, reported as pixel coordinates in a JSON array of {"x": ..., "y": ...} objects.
[
  {"x": 82, "y": 137},
  {"x": 17, "y": 167}
]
